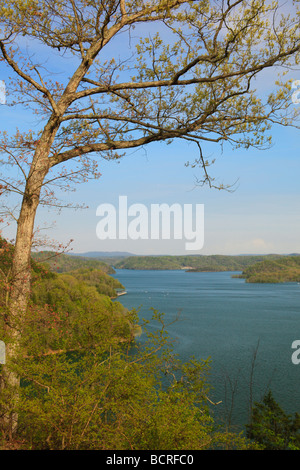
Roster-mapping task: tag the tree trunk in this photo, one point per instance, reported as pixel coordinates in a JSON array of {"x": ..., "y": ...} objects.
[
  {"x": 20, "y": 290},
  {"x": 19, "y": 295}
]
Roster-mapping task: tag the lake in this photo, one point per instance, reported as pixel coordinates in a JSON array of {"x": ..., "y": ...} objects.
[{"x": 227, "y": 319}]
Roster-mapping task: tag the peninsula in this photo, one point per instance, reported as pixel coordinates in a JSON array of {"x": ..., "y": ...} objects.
[{"x": 283, "y": 269}]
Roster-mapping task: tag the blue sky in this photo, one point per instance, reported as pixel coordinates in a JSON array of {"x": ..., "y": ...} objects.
[{"x": 262, "y": 215}]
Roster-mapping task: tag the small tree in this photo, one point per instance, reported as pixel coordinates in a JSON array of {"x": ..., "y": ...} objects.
[
  {"x": 272, "y": 428},
  {"x": 196, "y": 86}
]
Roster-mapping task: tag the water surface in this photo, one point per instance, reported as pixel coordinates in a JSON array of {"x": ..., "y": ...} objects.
[{"x": 227, "y": 319}]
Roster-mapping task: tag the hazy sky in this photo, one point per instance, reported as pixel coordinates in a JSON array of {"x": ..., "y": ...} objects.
[{"x": 262, "y": 215}]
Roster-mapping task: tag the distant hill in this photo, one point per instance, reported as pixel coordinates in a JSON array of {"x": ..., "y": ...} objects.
[
  {"x": 253, "y": 268},
  {"x": 104, "y": 254},
  {"x": 61, "y": 263},
  {"x": 283, "y": 269},
  {"x": 192, "y": 263}
]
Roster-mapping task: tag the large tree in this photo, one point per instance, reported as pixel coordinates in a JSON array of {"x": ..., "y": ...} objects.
[{"x": 191, "y": 79}]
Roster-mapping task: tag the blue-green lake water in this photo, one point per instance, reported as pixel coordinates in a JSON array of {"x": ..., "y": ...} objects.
[{"x": 226, "y": 320}]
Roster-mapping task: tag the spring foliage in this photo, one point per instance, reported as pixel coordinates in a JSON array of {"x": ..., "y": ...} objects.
[
  {"x": 192, "y": 80},
  {"x": 88, "y": 383}
]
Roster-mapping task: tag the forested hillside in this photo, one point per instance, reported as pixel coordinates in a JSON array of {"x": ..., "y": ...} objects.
[
  {"x": 63, "y": 262},
  {"x": 283, "y": 269},
  {"x": 192, "y": 263},
  {"x": 85, "y": 382},
  {"x": 76, "y": 297}
]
